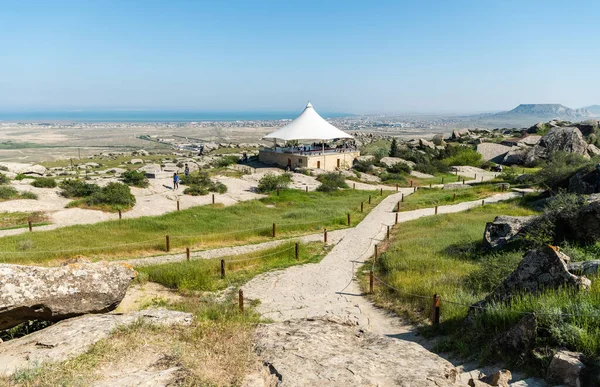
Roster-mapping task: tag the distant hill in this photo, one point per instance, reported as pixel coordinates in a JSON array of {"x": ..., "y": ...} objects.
[
  {"x": 594, "y": 109},
  {"x": 548, "y": 111}
]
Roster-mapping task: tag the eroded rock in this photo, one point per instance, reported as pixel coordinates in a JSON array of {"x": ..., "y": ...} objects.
[
  {"x": 57, "y": 293},
  {"x": 391, "y": 161},
  {"x": 70, "y": 338},
  {"x": 504, "y": 229},
  {"x": 319, "y": 351},
  {"x": 565, "y": 368}
]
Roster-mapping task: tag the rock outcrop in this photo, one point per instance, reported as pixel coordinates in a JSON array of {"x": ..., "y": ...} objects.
[
  {"x": 493, "y": 152},
  {"x": 520, "y": 339},
  {"x": 504, "y": 229},
  {"x": 319, "y": 351},
  {"x": 582, "y": 226},
  {"x": 585, "y": 182},
  {"x": 566, "y": 368},
  {"x": 587, "y": 268},
  {"x": 545, "y": 268},
  {"x": 70, "y": 338},
  {"x": 564, "y": 139},
  {"x": 58, "y": 293},
  {"x": 391, "y": 161},
  {"x": 516, "y": 156}
]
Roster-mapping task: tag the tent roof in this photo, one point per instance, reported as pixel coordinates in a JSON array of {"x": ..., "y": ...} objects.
[{"x": 308, "y": 126}]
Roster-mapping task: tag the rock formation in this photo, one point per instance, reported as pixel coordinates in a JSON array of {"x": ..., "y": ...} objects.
[
  {"x": 391, "y": 161},
  {"x": 503, "y": 229},
  {"x": 564, "y": 139},
  {"x": 565, "y": 369},
  {"x": 70, "y": 338},
  {"x": 57, "y": 293}
]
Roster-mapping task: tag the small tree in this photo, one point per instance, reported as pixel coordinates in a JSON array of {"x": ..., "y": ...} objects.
[{"x": 394, "y": 148}]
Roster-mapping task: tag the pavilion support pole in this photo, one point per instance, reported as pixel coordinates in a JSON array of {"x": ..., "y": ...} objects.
[{"x": 323, "y": 150}]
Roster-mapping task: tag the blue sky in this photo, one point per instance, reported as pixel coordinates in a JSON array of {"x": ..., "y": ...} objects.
[{"x": 348, "y": 56}]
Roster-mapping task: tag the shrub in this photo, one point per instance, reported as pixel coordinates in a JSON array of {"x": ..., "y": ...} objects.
[
  {"x": 363, "y": 166},
  {"x": 8, "y": 192},
  {"x": 331, "y": 182},
  {"x": 399, "y": 168},
  {"x": 20, "y": 176},
  {"x": 116, "y": 195},
  {"x": 199, "y": 183},
  {"x": 44, "y": 182},
  {"x": 29, "y": 195},
  {"x": 135, "y": 179},
  {"x": 389, "y": 177},
  {"x": 462, "y": 155},
  {"x": 271, "y": 182},
  {"x": 3, "y": 168},
  {"x": 226, "y": 161},
  {"x": 509, "y": 175},
  {"x": 560, "y": 167},
  {"x": 393, "y": 148},
  {"x": 195, "y": 190},
  {"x": 4, "y": 179},
  {"x": 72, "y": 188}
]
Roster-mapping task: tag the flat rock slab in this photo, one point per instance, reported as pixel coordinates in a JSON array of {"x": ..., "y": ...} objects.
[
  {"x": 332, "y": 352},
  {"x": 70, "y": 338}
]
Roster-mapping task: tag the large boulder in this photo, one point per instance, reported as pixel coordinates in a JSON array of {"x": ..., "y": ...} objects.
[
  {"x": 391, "y": 161},
  {"x": 57, "y": 293},
  {"x": 493, "y": 152},
  {"x": 588, "y": 268},
  {"x": 503, "y": 229},
  {"x": 426, "y": 144},
  {"x": 520, "y": 339},
  {"x": 566, "y": 368},
  {"x": 516, "y": 156},
  {"x": 545, "y": 268},
  {"x": 585, "y": 182},
  {"x": 367, "y": 158},
  {"x": 70, "y": 338},
  {"x": 565, "y": 139},
  {"x": 582, "y": 226},
  {"x": 530, "y": 140}
]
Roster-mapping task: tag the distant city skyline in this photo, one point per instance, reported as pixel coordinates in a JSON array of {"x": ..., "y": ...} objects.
[{"x": 356, "y": 57}]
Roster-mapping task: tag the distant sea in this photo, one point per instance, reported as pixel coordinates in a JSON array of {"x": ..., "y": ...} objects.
[{"x": 148, "y": 116}]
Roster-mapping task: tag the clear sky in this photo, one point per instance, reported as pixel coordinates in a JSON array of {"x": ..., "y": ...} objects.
[{"x": 349, "y": 56}]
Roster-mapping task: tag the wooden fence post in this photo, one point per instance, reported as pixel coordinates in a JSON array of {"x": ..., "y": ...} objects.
[
  {"x": 274, "y": 230},
  {"x": 402, "y": 197},
  {"x": 349, "y": 223},
  {"x": 475, "y": 178},
  {"x": 388, "y": 232},
  {"x": 325, "y": 235},
  {"x": 361, "y": 206},
  {"x": 222, "y": 268},
  {"x": 398, "y": 206},
  {"x": 435, "y": 317},
  {"x": 396, "y": 187},
  {"x": 30, "y": 225},
  {"x": 241, "y": 300},
  {"x": 213, "y": 198},
  {"x": 277, "y": 191},
  {"x": 396, "y": 218},
  {"x": 371, "y": 281},
  {"x": 442, "y": 180},
  {"x": 297, "y": 251},
  {"x": 187, "y": 254},
  {"x": 436, "y": 208},
  {"x": 306, "y": 188},
  {"x": 353, "y": 186},
  {"x": 411, "y": 183},
  {"x": 454, "y": 197},
  {"x": 380, "y": 191},
  {"x": 376, "y": 254},
  {"x": 167, "y": 243},
  {"x": 483, "y": 203},
  {"x": 430, "y": 185},
  {"x": 369, "y": 199},
  {"x": 463, "y": 181},
  {"x": 522, "y": 194},
  {"x": 415, "y": 189}
]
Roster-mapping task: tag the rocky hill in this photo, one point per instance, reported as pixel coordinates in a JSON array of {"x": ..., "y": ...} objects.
[
  {"x": 546, "y": 111},
  {"x": 594, "y": 110}
]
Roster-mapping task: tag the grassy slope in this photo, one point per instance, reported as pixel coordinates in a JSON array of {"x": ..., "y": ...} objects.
[
  {"x": 453, "y": 266},
  {"x": 427, "y": 197},
  {"x": 294, "y": 212}
]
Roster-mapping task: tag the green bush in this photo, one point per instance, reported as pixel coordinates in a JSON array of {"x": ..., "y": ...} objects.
[
  {"x": 44, "y": 182},
  {"x": 8, "y": 192},
  {"x": 4, "y": 179},
  {"x": 271, "y": 182},
  {"x": 225, "y": 161},
  {"x": 29, "y": 195},
  {"x": 72, "y": 188},
  {"x": 115, "y": 195},
  {"x": 363, "y": 166},
  {"x": 560, "y": 167},
  {"x": 392, "y": 177},
  {"x": 399, "y": 168},
  {"x": 509, "y": 175},
  {"x": 331, "y": 182},
  {"x": 20, "y": 176},
  {"x": 3, "y": 168},
  {"x": 462, "y": 155},
  {"x": 135, "y": 179},
  {"x": 199, "y": 183}
]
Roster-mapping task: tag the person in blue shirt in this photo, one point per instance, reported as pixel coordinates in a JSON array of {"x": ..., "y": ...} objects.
[{"x": 175, "y": 180}]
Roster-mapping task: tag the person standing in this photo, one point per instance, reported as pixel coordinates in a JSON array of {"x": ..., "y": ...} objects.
[
  {"x": 186, "y": 171},
  {"x": 175, "y": 181}
]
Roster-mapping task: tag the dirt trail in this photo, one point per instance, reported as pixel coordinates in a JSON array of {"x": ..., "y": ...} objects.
[{"x": 329, "y": 289}]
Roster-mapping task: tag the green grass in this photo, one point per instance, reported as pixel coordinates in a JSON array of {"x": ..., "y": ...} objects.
[
  {"x": 453, "y": 265},
  {"x": 294, "y": 212},
  {"x": 106, "y": 162},
  {"x": 375, "y": 147},
  {"x": 11, "y": 220},
  {"x": 431, "y": 197},
  {"x": 205, "y": 274}
]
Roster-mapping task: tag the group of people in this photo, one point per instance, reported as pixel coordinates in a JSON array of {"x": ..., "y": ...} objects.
[
  {"x": 186, "y": 172},
  {"x": 315, "y": 147}
]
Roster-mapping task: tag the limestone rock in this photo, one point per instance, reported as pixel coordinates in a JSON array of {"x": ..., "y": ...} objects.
[
  {"x": 585, "y": 182},
  {"x": 584, "y": 226},
  {"x": 565, "y": 368},
  {"x": 319, "y": 351},
  {"x": 492, "y": 151},
  {"x": 57, "y": 293},
  {"x": 503, "y": 229},
  {"x": 500, "y": 378},
  {"x": 565, "y": 139},
  {"x": 530, "y": 140},
  {"x": 136, "y": 161},
  {"x": 367, "y": 158},
  {"x": 391, "y": 161},
  {"x": 70, "y": 338},
  {"x": 545, "y": 268},
  {"x": 593, "y": 150},
  {"x": 426, "y": 144},
  {"x": 516, "y": 156}
]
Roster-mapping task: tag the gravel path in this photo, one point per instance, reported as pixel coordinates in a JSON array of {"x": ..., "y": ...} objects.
[{"x": 328, "y": 290}]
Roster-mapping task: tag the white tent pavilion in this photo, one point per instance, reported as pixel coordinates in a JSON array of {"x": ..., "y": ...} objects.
[{"x": 309, "y": 126}]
